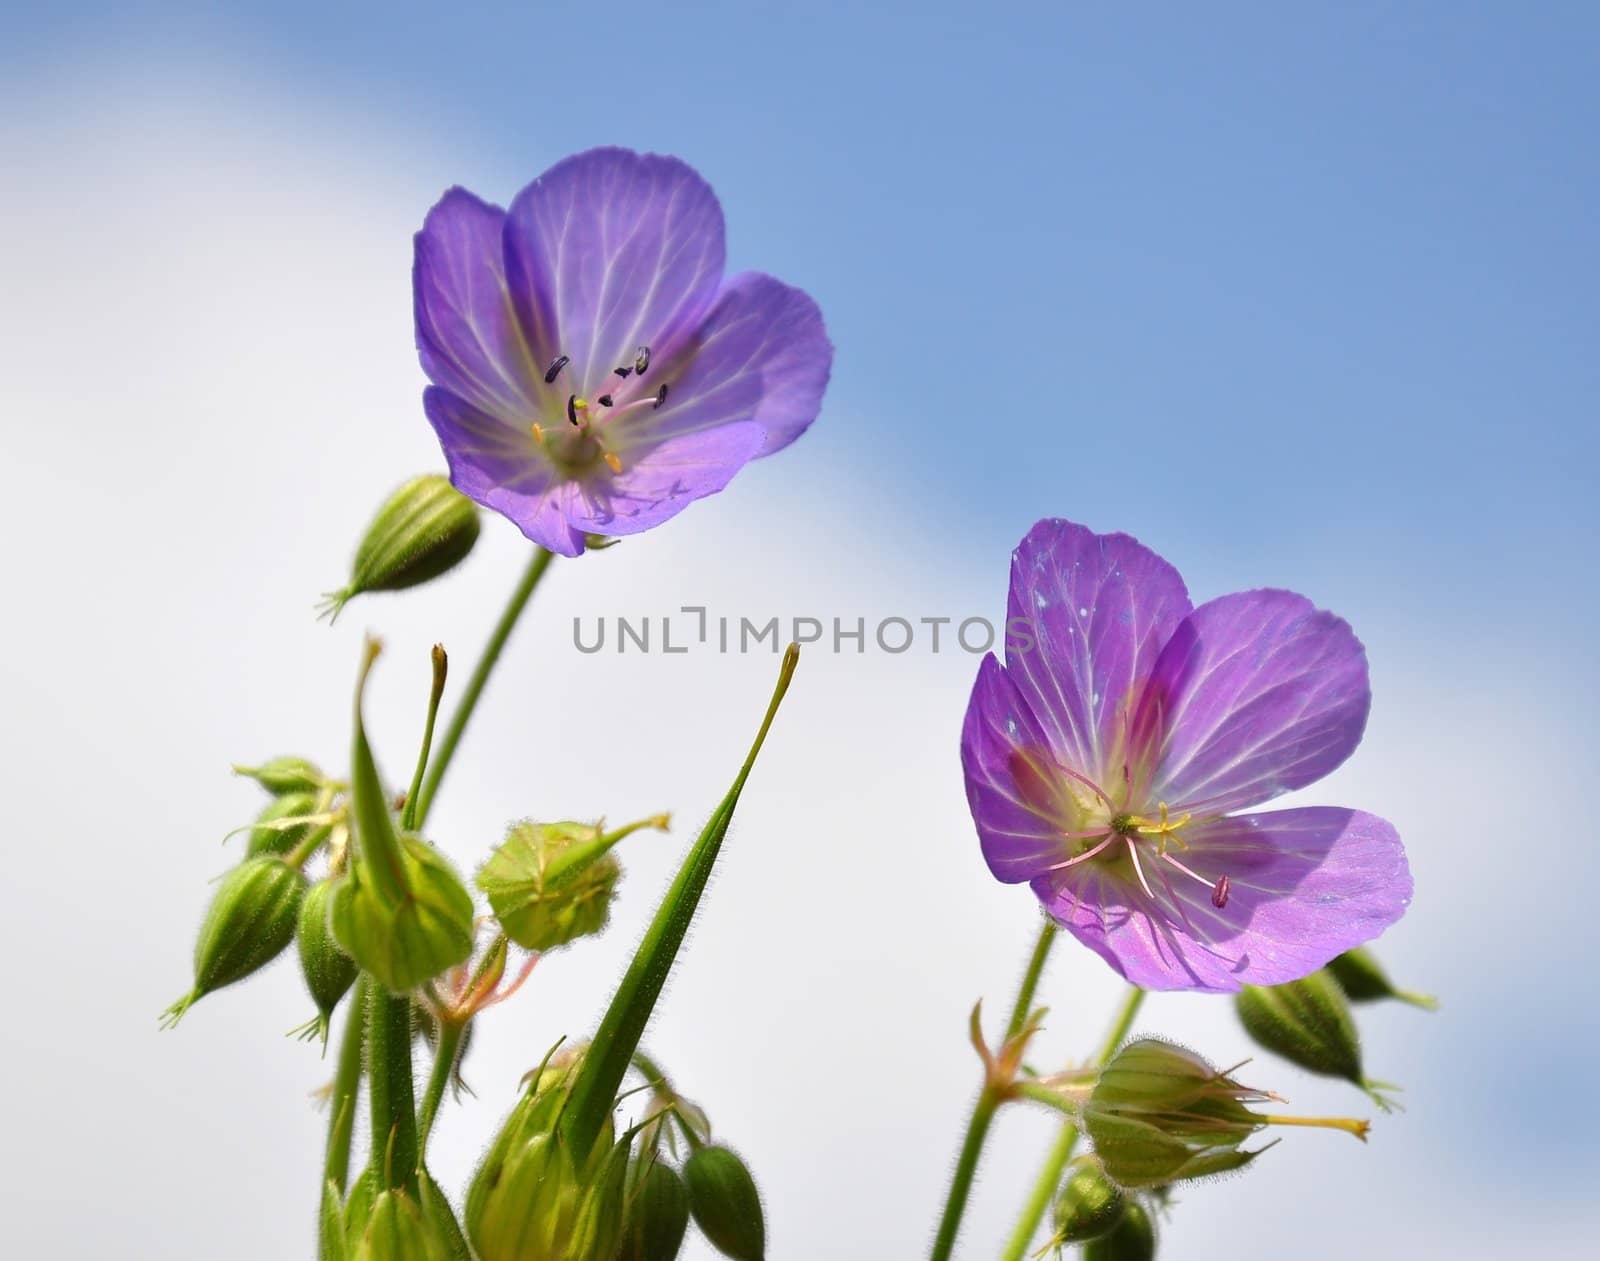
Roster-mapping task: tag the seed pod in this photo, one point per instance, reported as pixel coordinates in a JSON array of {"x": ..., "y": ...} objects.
[
  {"x": 1133, "y": 1239},
  {"x": 404, "y": 938},
  {"x": 1363, "y": 980},
  {"x": 284, "y": 775},
  {"x": 328, "y": 971},
  {"x": 658, "y": 1213},
  {"x": 725, "y": 1203},
  {"x": 1308, "y": 1023},
  {"x": 250, "y": 921},
  {"x": 281, "y": 840},
  {"x": 424, "y": 529},
  {"x": 1090, "y": 1205}
]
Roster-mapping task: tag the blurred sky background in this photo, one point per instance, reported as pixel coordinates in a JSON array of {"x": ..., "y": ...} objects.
[{"x": 1301, "y": 295}]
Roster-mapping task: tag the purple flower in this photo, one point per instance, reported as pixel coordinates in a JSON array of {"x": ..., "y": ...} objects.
[
  {"x": 593, "y": 371},
  {"x": 1104, "y": 762}
]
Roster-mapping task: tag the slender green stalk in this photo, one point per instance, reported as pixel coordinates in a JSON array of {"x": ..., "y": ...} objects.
[
  {"x": 988, "y": 1102},
  {"x": 346, "y": 1085},
  {"x": 392, "y": 1089},
  {"x": 595, "y": 1087},
  {"x": 1055, "y": 1165},
  {"x": 480, "y": 676},
  {"x": 445, "y": 1056},
  {"x": 441, "y": 667}
]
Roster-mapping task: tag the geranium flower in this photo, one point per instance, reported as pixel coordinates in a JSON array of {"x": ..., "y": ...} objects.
[
  {"x": 1105, "y": 760},
  {"x": 593, "y": 372}
]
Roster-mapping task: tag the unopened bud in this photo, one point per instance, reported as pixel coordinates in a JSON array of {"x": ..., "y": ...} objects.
[
  {"x": 1090, "y": 1205},
  {"x": 725, "y": 1203},
  {"x": 1363, "y": 980},
  {"x": 328, "y": 971},
  {"x": 284, "y": 775},
  {"x": 1132, "y": 1239},
  {"x": 409, "y": 932},
  {"x": 250, "y": 921},
  {"x": 1160, "y": 1114},
  {"x": 275, "y": 832},
  {"x": 397, "y": 1229},
  {"x": 551, "y": 882},
  {"x": 1308, "y": 1023},
  {"x": 424, "y": 529},
  {"x": 658, "y": 1213}
]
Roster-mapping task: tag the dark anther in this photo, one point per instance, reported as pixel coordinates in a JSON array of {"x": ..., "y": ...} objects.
[
  {"x": 661, "y": 396},
  {"x": 1219, "y": 895},
  {"x": 554, "y": 370},
  {"x": 604, "y": 400},
  {"x": 624, "y": 373},
  {"x": 572, "y": 408},
  {"x": 642, "y": 360}
]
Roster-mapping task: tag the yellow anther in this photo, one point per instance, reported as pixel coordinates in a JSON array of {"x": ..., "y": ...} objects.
[
  {"x": 612, "y": 463},
  {"x": 538, "y": 433},
  {"x": 1163, "y": 829}
]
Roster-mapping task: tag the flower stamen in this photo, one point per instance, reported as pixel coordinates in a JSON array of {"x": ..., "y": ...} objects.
[
  {"x": 612, "y": 462},
  {"x": 554, "y": 370}
]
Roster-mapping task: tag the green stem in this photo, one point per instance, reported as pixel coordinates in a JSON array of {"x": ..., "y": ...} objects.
[
  {"x": 594, "y": 1088},
  {"x": 480, "y": 676},
  {"x": 1055, "y": 1165},
  {"x": 346, "y": 1085},
  {"x": 988, "y": 1103},
  {"x": 444, "y": 1064},
  {"x": 392, "y": 1089},
  {"x": 441, "y": 667}
]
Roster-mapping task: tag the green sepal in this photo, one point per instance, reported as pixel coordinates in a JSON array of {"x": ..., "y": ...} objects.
[
  {"x": 658, "y": 1213},
  {"x": 330, "y": 1225},
  {"x": 281, "y": 840},
  {"x": 328, "y": 971},
  {"x": 1363, "y": 980},
  {"x": 1090, "y": 1205},
  {"x": 725, "y": 1203},
  {"x": 1308, "y": 1022},
  {"x": 281, "y": 775},
  {"x": 397, "y": 1229}
]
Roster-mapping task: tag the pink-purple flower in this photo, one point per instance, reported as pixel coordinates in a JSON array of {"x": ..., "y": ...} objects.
[
  {"x": 593, "y": 370},
  {"x": 1107, "y": 759}
]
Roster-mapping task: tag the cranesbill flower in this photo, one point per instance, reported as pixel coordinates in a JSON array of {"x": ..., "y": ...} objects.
[
  {"x": 593, "y": 371},
  {"x": 1105, "y": 761}
]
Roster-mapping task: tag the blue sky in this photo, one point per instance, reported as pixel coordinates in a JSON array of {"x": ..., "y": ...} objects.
[{"x": 1301, "y": 295}]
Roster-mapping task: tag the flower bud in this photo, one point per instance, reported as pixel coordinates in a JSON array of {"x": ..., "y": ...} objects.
[
  {"x": 1160, "y": 1114},
  {"x": 725, "y": 1203},
  {"x": 1308, "y": 1023},
  {"x": 398, "y": 1229},
  {"x": 408, "y": 934},
  {"x": 284, "y": 775},
  {"x": 658, "y": 1213},
  {"x": 1363, "y": 980},
  {"x": 328, "y": 971},
  {"x": 283, "y": 838},
  {"x": 330, "y": 1225},
  {"x": 551, "y": 882},
  {"x": 424, "y": 529},
  {"x": 1090, "y": 1205},
  {"x": 250, "y": 921},
  {"x": 1132, "y": 1239}
]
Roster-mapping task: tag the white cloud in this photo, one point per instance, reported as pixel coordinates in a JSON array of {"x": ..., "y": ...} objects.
[{"x": 209, "y": 384}]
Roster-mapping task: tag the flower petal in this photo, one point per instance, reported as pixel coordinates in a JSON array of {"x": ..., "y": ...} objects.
[
  {"x": 1018, "y": 812},
  {"x": 610, "y": 250},
  {"x": 1096, "y": 608},
  {"x": 1256, "y": 694},
  {"x": 1305, "y": 885},
  {"x": 501, "y": 468},
  {"x": 762, "y": 354},
  {"x": 468, "y": 336},
  {"x": 663, "y": 481}
]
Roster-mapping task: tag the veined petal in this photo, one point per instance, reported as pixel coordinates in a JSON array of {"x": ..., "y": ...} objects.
[
  {"x": 610, "y": 250},
  {"x": 502, "y": 468},
  {"x": 1305, "y": 885},
  {"x": 662, "y": 481},
  {"x": 468, "y": 336},
  {"x": 1098, "y": 608},
  {"x": 1255, "y": 694},
  {"x": 1018, "y": 810},
  {"x": 762, "y": 354}
]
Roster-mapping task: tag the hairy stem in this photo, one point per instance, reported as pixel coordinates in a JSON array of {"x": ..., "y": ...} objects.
[
  {"x": 1055, "y": 1164},
  {"x": 988, "y": 1102},
  {"x": 392, "y": 1089},
  {"x": 480, "y": 676},
  {"x": 346, "y": 1085},
  {"x": 444, "y": 1064}
]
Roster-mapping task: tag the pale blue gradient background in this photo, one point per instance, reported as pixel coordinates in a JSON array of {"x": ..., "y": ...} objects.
[{"x": 1303, "y": 295}]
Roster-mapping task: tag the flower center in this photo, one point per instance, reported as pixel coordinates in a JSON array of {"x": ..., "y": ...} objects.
[
  {"x": 578, "y": 440},
  {"x": 1125, "y": 834}
]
